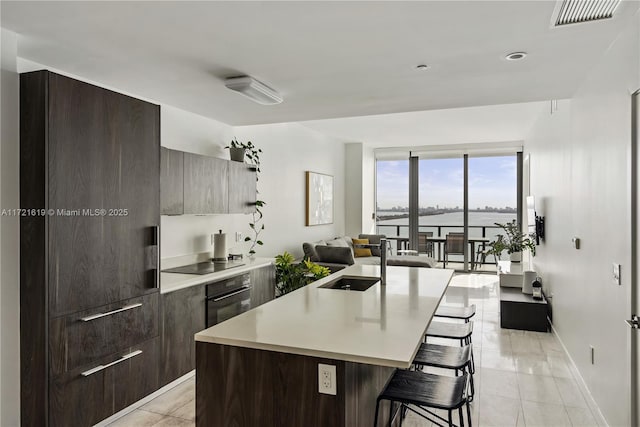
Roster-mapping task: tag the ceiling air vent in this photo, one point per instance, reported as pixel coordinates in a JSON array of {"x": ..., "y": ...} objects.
[{"x": 576, "y": 11}]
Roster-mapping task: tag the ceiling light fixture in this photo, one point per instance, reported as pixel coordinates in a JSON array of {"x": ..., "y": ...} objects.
[
  {"x": 515, "y": 56},
  {"x": 575, "y": 11},
  {"x": 254, "y": 90}
]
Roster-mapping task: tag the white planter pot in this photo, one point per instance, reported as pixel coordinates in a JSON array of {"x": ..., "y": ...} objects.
[{"x": 516, "y": 257}]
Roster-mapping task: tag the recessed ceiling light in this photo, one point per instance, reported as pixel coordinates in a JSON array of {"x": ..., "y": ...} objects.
[
  {"x": 515, "y": 56},
  {"x": 422, "y": 67}
]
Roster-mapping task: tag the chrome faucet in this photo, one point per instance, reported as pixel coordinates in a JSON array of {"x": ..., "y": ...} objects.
[{"x": 383, "y": 261}]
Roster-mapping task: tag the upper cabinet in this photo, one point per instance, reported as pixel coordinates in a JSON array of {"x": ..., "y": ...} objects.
[
  {"x": 196, "y": 184},
  {"x": 242, "y": 188},
  {"x": 205, "y": 184},
  {"x": 171, "y": 182}
]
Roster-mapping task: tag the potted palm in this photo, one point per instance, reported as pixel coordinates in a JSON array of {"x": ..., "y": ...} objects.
[{"x": 513, "y": 241}]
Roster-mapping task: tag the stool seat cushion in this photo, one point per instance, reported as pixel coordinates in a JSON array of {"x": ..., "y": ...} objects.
[
  {"x": 419, "y": 388},
  {"x": 457, "y": 312},
  {"x": 443, "y": 356},
  {"x": 450, "y": 330}
]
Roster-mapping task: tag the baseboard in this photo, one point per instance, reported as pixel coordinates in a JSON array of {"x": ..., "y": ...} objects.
[
  {"x": 593, "y": 406},
  {"x": 145, "y": 400}
]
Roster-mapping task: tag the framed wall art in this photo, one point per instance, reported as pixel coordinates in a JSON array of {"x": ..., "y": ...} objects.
[{"x": 319, "y": 198}]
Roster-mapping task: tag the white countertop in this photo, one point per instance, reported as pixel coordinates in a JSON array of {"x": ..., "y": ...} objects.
[
  {"x": 170, "y": 282},
  {"x": 383, "y": 325}
]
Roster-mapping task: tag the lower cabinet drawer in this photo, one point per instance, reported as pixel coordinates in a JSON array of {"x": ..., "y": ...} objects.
[
  {"x": 81, "y": 338},
  {"x": 91, "y": 393}
]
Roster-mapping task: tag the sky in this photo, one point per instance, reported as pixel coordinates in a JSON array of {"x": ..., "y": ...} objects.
[{"x": 492, "y": 182}]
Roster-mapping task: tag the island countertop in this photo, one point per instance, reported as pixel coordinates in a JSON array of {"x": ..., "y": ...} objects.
[{"x": 383, "y": 325}]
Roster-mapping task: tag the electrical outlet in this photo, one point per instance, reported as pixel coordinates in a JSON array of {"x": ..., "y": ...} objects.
[
  {"x": 327, "y": 379},
  {"x": 238, "y": 236},
  {"x": 616, "y": 274}
]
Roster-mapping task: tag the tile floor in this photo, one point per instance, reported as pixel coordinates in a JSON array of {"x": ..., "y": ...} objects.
[{"x": 522, "y": 378}]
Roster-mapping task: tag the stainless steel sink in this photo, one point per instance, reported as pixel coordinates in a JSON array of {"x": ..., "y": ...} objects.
[{"x": 351, "y": 283}]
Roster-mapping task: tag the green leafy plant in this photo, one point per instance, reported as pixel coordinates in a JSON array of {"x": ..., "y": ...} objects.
[
  {"x": 252, "y": 154},
  {"x": 513, "y": 240},
  {"x": 291, "y": 275}
]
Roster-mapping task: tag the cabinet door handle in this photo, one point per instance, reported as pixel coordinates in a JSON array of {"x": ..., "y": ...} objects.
[
  {"x": 102, "y": 367},
  {"x": 109, "y": 313},
  {"x": 156, "y": 243}
]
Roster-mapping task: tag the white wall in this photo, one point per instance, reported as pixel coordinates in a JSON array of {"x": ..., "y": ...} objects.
[
  {"x": 289, "y": 150},
  {"x": 9, "y": 236},
  {"x": 580, "y": 173}
]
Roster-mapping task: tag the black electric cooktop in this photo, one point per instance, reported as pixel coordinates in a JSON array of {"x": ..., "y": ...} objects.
[{"x": 203, "y": 267}]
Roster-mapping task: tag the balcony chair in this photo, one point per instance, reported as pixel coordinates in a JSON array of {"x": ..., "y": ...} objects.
[
  {"x": 453, "y": 245},
  {"x": 424, "y": 245}
]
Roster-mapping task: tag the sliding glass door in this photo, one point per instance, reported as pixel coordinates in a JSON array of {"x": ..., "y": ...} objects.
[{"x": 459, "y": 200}]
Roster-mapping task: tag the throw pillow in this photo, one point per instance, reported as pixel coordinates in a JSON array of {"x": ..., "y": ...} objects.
[
  {"x": 374, "y": 239},
  {"x": 361, "y": 251},
  {"x": 338, "y": 242},
  {"x": 335, "y": 254}
]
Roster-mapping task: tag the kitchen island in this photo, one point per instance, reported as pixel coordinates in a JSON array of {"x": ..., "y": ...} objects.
[{"x": 261, "y": 367}]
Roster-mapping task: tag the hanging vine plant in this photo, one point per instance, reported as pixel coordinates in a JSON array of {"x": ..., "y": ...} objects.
[{"x": 252, "y": 155}]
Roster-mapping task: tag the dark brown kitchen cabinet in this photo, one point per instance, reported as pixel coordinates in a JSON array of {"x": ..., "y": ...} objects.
[
  {"x": 171, "y": 182},
  {"x": 196, "y": 184},
  {"x": 242, "y": 188},
  {"x": 205, "y": 185},
  {"x": 183, "y": 315},
  {"x": 91, "y": 393},
  {"x": 89, "y": 190},
  {"x": 263, "y": 281}
]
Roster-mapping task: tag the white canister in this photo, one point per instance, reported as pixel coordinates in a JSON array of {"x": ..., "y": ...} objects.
[{"x": 527, "y": 279}]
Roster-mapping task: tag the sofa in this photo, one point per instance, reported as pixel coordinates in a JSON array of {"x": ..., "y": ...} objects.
[{"x": 340, "y": 252}]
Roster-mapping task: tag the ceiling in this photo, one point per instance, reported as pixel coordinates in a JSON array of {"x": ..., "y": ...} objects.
[
  {"x": 327, "y": 59},
  {"x": 470, "y": 125}
]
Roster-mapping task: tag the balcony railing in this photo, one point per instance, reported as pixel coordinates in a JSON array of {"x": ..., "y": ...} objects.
[{"x": 402, "y": 230}]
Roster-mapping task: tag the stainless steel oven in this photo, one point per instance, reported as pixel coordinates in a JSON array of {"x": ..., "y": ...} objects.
[{"x": 228, "y": 298}]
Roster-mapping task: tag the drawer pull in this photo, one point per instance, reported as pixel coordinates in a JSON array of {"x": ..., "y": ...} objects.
[
  {"x": 109, "y": 313},
  {"x": 101, "y": 367}
]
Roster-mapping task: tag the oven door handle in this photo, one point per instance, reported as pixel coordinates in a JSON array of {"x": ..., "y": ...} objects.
[{"x": 239, "y": 291}]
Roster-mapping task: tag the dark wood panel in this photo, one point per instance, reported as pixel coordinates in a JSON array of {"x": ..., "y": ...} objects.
[
  {"x": 77, "y": 400},
  {"x": 363, "y": 383},
  {"x": 245, "y": 387},
  {"x": 263, "y": 285},
  {"x": 171, "y": 182},
  {"x": 205, "y": 184},
  {"x": 75, "y": 343},
  {"x": 103, "y": 154},
  {"x": 242, "y": 188},
  {"x": 183, "y": 315},
  {"x": 33, "y": 253}
]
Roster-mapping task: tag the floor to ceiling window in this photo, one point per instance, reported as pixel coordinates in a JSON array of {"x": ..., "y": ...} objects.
[{"x": 446, "y": 230}]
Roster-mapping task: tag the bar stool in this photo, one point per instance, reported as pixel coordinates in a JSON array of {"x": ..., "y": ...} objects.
[
  {"x": 416, "y": 391},
  {"x": 463, "y": 313},
  {"x": 447, "y": 357},
  {"x": 454, "y": 331}
]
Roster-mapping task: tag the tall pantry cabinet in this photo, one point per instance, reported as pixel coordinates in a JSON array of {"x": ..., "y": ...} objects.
[{"x": 89, "y": 253}]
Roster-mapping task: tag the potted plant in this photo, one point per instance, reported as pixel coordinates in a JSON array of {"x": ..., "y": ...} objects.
[
  {"x": 291, "y": 275},
  {"x": 513, "y": 241},
  {"x": 239, "y": 150}
]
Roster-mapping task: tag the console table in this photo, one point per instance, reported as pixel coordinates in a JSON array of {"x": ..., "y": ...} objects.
[{"x": 521, "y": 311}]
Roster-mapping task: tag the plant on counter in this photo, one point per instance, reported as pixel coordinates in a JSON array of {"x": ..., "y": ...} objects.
[
  {"x": 513, "y": 240},
  {"x": 252, "y": 154},
  {"x": 291, "y": 275}
]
